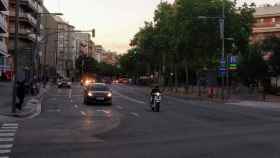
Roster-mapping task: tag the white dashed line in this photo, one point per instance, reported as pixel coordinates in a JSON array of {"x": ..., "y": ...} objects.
[
  {"x": 4, "y": 156},
  {"x": 130, "y": 99},
  {"x": 120, "y": 107},
  {"x": 135, "y": 114},
  {"x": 7, "y": 134},
  {"x": 6, "y": 146},
  {"x": 5, "y": 151},
  {"x": 8, "y": 130},
  {"x": 70, "y": 93},
  {"x": 6, "y": 139},
  {"x": 105, "y": 111},
  {"x": 76, "y": 106},
  {"x": 8, "y": 127},
  {"x": 83, "y": 113},
  {"x": 10, "y": 124}
]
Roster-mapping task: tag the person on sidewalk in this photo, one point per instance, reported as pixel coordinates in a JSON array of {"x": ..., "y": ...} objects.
[{"x": 20, "y": 93}]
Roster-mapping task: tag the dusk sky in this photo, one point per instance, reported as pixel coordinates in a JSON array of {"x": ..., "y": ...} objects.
[{"x": 115, "y": 21}]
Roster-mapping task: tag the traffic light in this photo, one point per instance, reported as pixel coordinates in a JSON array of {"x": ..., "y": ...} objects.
[{"x": 93, "y": 32}]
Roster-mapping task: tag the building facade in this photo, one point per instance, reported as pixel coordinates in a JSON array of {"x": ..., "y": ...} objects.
[
  {"x": 5, "y": 66},
  {"x": 99, "y": 51},
  {"x": 28, "y": 28},
  {"x": 267, "y": 23}
]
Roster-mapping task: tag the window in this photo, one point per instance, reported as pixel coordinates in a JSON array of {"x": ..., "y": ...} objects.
[
  {"x": 261, "y": 20},
  {"x": 273, "y": 20}
]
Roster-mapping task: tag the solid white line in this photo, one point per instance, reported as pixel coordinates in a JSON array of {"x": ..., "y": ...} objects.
[
  {"x": 83, "y": 113},
  {"x": 6, "y": 146},
  {"x": 135, "y": 114},
  {"x": 7, "y": 127},
  {"x": 5, "y": 151},
  {"x": 10, "y": 124},
  {"x": 7, "y": 134},
  {"x": 4, "y": 156},
  {"x": 6, "y": 139},
  {"x": 8, "y": 130}
]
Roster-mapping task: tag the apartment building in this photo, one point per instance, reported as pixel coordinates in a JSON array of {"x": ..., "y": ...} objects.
[
  {"x": 83, "y": 42},
  {"x": 267, "y": 23},
  {"x": 5, "y": 66},
  {"x": 28, "y": 20},
  {"x": 99, "y": 50}
]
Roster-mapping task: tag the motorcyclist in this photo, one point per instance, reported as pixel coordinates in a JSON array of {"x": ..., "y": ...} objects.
[{"x": 154, "y": 90}]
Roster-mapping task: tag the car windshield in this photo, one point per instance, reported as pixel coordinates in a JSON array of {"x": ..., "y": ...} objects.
[{"x": 99, "y": 88}]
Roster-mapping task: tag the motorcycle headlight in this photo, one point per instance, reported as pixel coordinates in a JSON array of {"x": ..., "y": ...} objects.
[
  {"x": 90, "y": 94},
  {"x": 109, "y": 94}
]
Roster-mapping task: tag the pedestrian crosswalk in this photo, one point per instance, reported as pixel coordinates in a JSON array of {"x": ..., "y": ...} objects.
[{"x": 7, "y": 137}]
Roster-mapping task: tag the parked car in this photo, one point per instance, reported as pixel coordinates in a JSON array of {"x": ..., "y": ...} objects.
[{"x": 98, "y": 93}]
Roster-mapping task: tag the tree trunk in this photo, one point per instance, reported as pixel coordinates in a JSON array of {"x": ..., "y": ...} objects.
[
  {"x": 176, "y": 77},
  {"x": 187, "y": 76}
]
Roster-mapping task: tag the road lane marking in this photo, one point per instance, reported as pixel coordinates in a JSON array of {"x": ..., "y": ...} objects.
[
  {"x": 76, "y": 106},
  {"x": 130, "y": 99},
  {"x": 83, "y": 113},
  {"x": 6, "y": 139},
  {"x": 135, "y": 114},
  {"x": 6, "y": 146},
  {"x": 70, "y": 93},
  {"x": 71, "y": 101},
  {"x": 10, "y": 124},
  {"x": 120, "y": 107},
  {"x": 8, "y": 130},
  {"x": 105, "y": 111},
  {"x": 8, "y": 127},
  {"x": 7, "y": 134},
  {"x": 4, "y": 156},
  {"x": 5, "y": 151}
]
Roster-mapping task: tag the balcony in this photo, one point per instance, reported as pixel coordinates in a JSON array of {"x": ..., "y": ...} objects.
[
  {"x": 24, "y": 34},
  {"x": 3, "y": 48},
  {"x": 30, "y": 4},
  {"x": 28, "y": 18},
  {"x": 4, "y": 5},
  {"x": 3, "y": 24}
]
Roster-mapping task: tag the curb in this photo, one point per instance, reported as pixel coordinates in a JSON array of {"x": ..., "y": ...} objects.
[{"x": 32, "y": 107}]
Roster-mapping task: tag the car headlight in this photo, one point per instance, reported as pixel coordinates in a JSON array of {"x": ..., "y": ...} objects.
[
  {"x": 109, "y": 94},
  {"x": 157, "y": 94},
  {"x": 90, "y": 94}
]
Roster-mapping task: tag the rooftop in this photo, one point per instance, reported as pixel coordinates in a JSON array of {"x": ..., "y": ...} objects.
[{"x": 267, "y": 11}]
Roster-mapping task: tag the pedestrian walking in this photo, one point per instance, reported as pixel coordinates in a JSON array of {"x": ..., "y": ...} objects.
[{"x": 20, "y": 93}]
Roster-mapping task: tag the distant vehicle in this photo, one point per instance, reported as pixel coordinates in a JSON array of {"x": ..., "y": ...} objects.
[
  {"x": 98, "y": 93},
  {"x": 123, "y": 80},
  {"x": 115, "y": 81},
  {"x": 64, "y": 83}
]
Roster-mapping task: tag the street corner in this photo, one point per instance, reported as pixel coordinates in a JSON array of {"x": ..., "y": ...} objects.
[{"x": 30, "y": 110}]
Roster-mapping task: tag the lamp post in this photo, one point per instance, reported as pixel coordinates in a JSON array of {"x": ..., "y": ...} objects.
[
  {"x": 15, "y": 56},
  {"x": 222, "y": 32}
]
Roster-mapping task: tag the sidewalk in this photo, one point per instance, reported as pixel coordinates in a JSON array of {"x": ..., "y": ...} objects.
[
  {"x": 236, "y": 99},
  {"x": 30, "y": 106},
  {"x": 6, "y": 94}
]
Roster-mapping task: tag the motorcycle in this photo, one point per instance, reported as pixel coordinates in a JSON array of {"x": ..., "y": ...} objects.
[{"x": 155, "y": 103}]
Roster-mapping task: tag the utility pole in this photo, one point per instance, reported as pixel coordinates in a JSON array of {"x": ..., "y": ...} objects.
[
  {"x": 222, "y": 27},
  {"x": 15, "y": 56}
]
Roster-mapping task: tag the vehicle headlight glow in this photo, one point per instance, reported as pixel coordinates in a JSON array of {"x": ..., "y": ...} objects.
[
  {"x": 157, "y": 94},
  {"x": 109, "y": 94},
  {"x": 90, "y": 94}
]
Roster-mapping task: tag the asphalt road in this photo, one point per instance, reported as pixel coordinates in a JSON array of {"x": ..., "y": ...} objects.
[{"x": 128, "y": 129}]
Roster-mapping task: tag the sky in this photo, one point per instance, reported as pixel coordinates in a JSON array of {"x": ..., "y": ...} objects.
[{"x": 115, "y": 21}]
